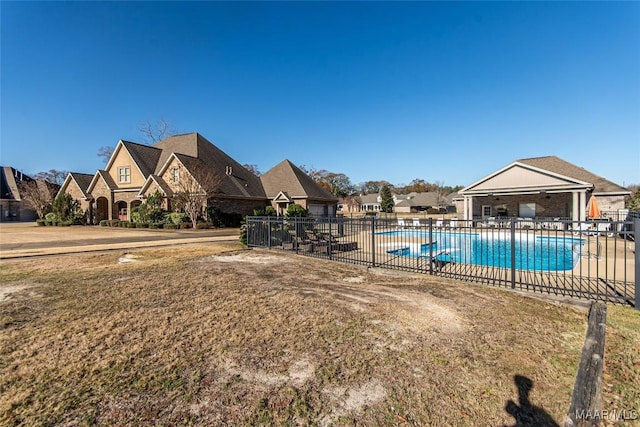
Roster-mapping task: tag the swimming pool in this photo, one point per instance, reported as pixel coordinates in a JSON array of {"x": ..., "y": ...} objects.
[{"x": 536, "y": 253}]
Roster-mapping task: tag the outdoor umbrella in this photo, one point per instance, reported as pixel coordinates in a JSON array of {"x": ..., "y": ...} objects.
[{"x": 593, "y": 210}]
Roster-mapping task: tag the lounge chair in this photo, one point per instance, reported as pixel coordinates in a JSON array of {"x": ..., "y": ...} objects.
[
  {"x": 453, "y": 222},
  {"x": 416, "y": 222},
  {"x": 604, "y": 228},
  {"x": 582, "y": 228},
  {"x": 439, "y": 223},
  {"x": 401, "y": 223}
]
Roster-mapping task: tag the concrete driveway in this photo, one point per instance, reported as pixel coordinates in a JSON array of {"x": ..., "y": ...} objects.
[{"x": 22, "y": 239}]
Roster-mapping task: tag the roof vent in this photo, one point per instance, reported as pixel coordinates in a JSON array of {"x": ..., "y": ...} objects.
[{"x": 229, "y": 170}]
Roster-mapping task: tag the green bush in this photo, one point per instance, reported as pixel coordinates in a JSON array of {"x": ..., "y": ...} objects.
[
  {"x": 131, "y": 225},
  {"x": 178, "y": 217},
  {"x": 114, "y": 223},
  {"x": 104, "y": 223},
  {"x": 66, "y": 223},
  {"x": 171, "y": 226},
  {"x": 156, "y": 225},
  {"x": 202, "y": 225},
  {"x": 296, "y": 210},
  {"x": 125, "y": 224},
  {"x": 40, "y": 222},
  {"x": 142, "y": 225},
  {"x": 51, "y": 216}
]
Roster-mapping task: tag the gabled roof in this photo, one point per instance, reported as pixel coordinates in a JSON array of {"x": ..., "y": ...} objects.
[
  {"x": 159, "y": 181},
  {"x": 9, "y": 179},
  {"x": 82, "y": 180},
  {"x": 562, "y": 167},
  {"x": 102, "y": 174},
  {"x": 197, "y": 153},
  {"x": 550, "y": 174},
  {"x": 369, "y": 199},
  {"x": 288, "y": 178},
  {"x": 144, "y": 156},
  {"x": 429, "y": 198}
]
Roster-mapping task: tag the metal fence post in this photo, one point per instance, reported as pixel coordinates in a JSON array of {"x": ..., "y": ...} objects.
[
  {"x": 269, "y": 232},
  {"x": 431, "y": 246},
  {"x": 373, "y": 241},
  {"x": 330, "y": 237},
  {"x": 513, "y": 254},
  {"x": 636, "y": 228}
]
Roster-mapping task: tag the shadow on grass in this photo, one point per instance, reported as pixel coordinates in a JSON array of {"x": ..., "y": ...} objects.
[{"x": 525, "y": 413}]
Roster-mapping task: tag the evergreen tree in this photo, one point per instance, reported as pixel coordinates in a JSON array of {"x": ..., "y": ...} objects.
[{"x": 386, "y": 204}]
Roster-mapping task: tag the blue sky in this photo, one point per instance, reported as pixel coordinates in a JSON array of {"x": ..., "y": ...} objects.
[{"x": 441, "y": 91}]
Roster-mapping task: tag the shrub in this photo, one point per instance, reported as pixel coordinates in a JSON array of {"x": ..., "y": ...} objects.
[
  {"x": 202, "y": 225},
  {"x": 104, "y": 223},
  {"x": 142, "y": 225},
  {"x": 124, "y": 224},
  {"x": 156, "y": 215},
  {"x": 114, "y": 222},
  {"x": 40, "y": 222},
  {"x": 155, "y": 225},
  {"x": 66, "y": 223},
  {"x": 171, "y": 226},
  {"x": 51, "y": 216},
  {"x": 296, "y": 210},
  {"x": 131, "y": 225},
  {"x": 178, "y": 217}
]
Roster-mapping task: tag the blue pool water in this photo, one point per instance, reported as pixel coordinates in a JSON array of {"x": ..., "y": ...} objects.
[{"x": 537, "y": 253}]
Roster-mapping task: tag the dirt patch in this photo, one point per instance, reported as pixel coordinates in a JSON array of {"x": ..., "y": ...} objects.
[
  {"x": 7, "y": 289},
  {"x": 215, "y": 336}
]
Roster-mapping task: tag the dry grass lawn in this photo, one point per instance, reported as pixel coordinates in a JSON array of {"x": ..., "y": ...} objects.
[{"x": 217, "y": 335}]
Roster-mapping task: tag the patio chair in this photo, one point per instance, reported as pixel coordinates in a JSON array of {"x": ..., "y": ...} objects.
[
  {"x": 439, "y": 223},
  {"x": 416, "y": 222},
  {"x": 401, "y": 223},
  {"x": 453, "y": 223},
  {"x": 582, "y": 228},
  {"x": 604, "y": 228}
]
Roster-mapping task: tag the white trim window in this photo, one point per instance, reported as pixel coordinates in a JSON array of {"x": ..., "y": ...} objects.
[
  {"x": 124, "y": 175},
  {"x": 486, "y": 211},
  {"x": 176, "y": 175}
]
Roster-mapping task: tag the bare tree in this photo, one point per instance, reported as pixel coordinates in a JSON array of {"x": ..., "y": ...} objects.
[
  {"x": 155, "y": 132},
  {"x": 253, "y": 169},
  {"x": 39, "y": 194},
  {"x": 53, "y": 176},
  {"x": 194, "y": 187},
  {"x": 105, "y": 153},
  {"x": 151, "y": 134}
]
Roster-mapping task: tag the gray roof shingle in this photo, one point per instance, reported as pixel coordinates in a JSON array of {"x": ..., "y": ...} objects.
[
  {"x": 562, "y": 167},
  {"x": 288, "y": 178}
]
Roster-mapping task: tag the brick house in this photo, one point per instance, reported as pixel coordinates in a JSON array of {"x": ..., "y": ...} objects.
[
  {"x": 135, "y": 171},
  {"x": 285, "y": 184},
  {"x": 12, "y": 206},
  {"x": 539, "y": 187}
]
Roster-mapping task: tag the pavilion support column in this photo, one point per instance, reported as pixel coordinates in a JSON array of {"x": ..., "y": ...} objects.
[
  {"x": 575, "y": 210},
  {"x": 583, "y": 205}
]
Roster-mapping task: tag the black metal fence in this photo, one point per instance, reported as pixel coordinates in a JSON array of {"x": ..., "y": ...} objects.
[{"x": 593, "y": 259}]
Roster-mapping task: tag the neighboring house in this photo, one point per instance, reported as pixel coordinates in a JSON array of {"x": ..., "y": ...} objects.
[
  {"x": 76, "y": 185},
  {"x": 370, "y": 202},
  {"x": 12, "y": 206},
  {"x": 285, "y": 184},
  {"x": 546, "y": 187},
  {"x": 418, "y": 202},
  {"x": 405, "y": 203},
  {"x": 136, "y": 171}
]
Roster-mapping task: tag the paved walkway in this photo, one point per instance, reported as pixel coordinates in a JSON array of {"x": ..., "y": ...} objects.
[{"x": 18, "y": 240}]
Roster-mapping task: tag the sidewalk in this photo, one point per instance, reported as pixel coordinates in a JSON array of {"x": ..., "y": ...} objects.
[{"x": 20, "y": 240}]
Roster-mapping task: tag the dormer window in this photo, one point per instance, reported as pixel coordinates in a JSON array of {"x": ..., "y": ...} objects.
[
  {"x": 176, "y": 175},
  {"x": 124, "y": 175}
]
